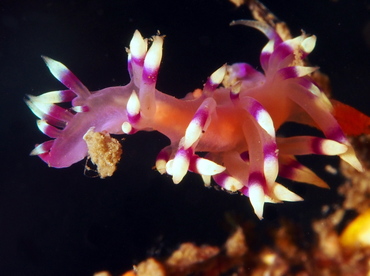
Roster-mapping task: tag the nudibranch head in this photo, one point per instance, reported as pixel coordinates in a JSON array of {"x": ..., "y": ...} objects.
[{"x": 232, "y": 120}]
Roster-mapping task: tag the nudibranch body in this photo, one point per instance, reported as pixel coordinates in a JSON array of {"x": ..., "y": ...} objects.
[{"x": 232, "y": 120}]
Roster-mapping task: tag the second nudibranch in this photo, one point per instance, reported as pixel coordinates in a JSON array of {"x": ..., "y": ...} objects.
[{"x": 233, "y": 119}]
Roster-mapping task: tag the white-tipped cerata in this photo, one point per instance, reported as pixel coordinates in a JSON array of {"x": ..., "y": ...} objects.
[
  {"x": 218, "y": 76},
  {"x": 154, "y": 55},
  {"x": 180, "y": 165},
  {"x": 126, "y": 128},
  {"x": 207, "y": 167},
  {"x": 308, "y": 44},
  {"x": 232, "y": 184},
  {"x": 133, "y": 105},
  {"x": 57, "y": 69},
  {"x": 199, "y": 123},
  {"x": 284, "y": 194},
  {"x": 257, "y": 198},
  {"x": 138, "y": 46}
]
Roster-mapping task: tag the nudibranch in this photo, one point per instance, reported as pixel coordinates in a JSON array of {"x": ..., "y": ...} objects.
[{"x": 232, "y": 121}]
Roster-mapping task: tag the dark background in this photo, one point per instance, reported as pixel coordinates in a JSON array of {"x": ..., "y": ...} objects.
[{"x": 60, "y": 222}]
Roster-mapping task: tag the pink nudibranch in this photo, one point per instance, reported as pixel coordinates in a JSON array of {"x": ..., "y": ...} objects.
[{"x": 233, "y": 118}]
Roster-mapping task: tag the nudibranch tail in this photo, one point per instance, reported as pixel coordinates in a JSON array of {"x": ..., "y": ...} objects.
[{"x": 232, "y": 121}]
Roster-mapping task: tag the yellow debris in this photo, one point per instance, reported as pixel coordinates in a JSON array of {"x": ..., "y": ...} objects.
[
  {"x": 104, "y": 151},
  {"x": 357, "y": 233}
]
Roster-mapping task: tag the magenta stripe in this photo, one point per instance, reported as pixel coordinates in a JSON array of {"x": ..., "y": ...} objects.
[
  {"x": 163, "y": 155},
  {"x": 60, "y": 113},
  {"x": 282, "y": 51},
  {"x": 257, "y": 178},
  {"x": 51, "y": 131},
  {"x": 67, "y": 95},
  {"x": 149, "y": 76},
  {"x": 288, "y": 72}
]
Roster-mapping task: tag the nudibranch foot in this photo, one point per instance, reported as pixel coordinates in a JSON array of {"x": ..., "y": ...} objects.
[{"x": 232, "y": 121}]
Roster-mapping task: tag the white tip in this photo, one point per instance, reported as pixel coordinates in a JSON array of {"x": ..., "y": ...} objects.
[
  {"x": 126, "y": 128},
  {"x": 269, "y": 47},
  {"x": 39, "y": 108},
  {"x": 42, "y": 125},
  {"x": 284, "y": 194},
  {"x": 192, "y": 133},
  {"x": 57, "y": 69},
  {"x": 180, "y": 167},
  {"x": 154, "y": 55},
  {"x": 264, "y": 120},
  {"x": 48, "y": 97},
  {"x": 304, "y": 70},
  {"x": 200, "y": 122},
  {"x": 133, "y": 104},
  {"x": 232, "y": 184},
  {"x": 160, "y": 165},
  {"x": 206, "y": 180},
  {"x": 40, "y": 149},
  {"x": 236, "y": 87},
  {"x": 169, "y": 166},
  {"x": 138, "y": 45},
  {"x": 308, "y": 44},
  {"x": 218, "y": 76},
  {"x": 331, "y": 147},
  {"x": 350, "y": 157},
  {"x": 35, "y": 110},
  {"x": 257, "y": 198},
  {"x": 269, "y": 199},
  {"x": 271, "y": 168},
  {"x": 208, "y": 167}
]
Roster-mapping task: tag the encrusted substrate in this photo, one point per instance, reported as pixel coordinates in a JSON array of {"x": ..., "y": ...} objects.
[{"x": 201, "y": 260}]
